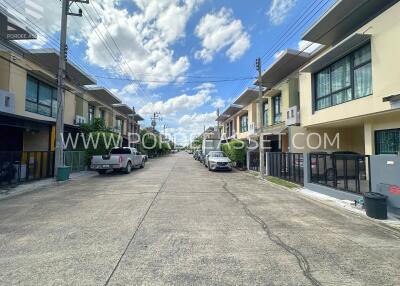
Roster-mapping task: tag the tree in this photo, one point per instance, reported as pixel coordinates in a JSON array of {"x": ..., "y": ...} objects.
[{"x": 236, "y": 150}]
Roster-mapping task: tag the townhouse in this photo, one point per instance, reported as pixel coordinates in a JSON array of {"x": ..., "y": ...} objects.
[
  {"x": 28, "y": 108},
  {"x": 352, "y": 88}
]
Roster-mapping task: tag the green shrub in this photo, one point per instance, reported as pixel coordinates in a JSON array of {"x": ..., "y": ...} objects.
[{"x": 236, "y": 151}]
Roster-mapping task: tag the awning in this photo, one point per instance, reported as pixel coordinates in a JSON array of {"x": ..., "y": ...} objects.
[
  {"x": 344, "y": 18},
  {"x": 48, "y": 59},
  {"x": 337, "y": 52},
  {"x": 286, "y": 64},
  {"x": 137, "y": 117},
  {"x": 272, "y": 93},
  {"x": 103, "y": 95},
  {"x": 123, "y": 108},
  {"x": 94, "y": 103},
  {"x": 231, "y": 110},
  {"x": 276, "y": 129},
  {"x": 248, "y": 96}
]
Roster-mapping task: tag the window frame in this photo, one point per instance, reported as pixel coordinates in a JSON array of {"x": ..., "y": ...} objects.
[
  {"x": 377, "y": 143},
  {"x": 353, "y": 68},
  {"x": 275, "y": 114},
  {"x": 91, "y": 114},
  {"x": 244, "y": 127},
  {"x": 37, "y": 102},
  {"x": 265, "y": 118}
]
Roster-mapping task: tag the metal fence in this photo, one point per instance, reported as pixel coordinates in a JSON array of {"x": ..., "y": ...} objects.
[
  {"x": 24, "y": 166},
  {"x": 348, "y": 172},
  {"x": 76, "y": 160},
  {"x": 254, "y": 161},
  {"x": 287, "y": 166}
]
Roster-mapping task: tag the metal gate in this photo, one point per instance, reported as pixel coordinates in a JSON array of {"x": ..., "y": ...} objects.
[{"x": 287, "y": 166}]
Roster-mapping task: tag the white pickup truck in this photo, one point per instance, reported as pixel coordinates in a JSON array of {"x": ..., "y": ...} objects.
[{"x": 120, "y": 159}]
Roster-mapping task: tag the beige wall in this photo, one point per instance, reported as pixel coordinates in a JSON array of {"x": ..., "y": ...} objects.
[
  {"x": 385, "y": 42},
  {"x": 4, "y": 73},
  {"x": 251, "y": 110}
]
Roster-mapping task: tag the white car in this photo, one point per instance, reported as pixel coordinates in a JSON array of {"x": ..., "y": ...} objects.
[
  {"x": 123, "y": 159},
  {"x": 217, "y": 160}
]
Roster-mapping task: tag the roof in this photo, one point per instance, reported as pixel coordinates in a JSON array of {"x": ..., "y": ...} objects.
[
  {"x": 344, "y": 18},
  {"x": 13, "y": 29},
  {"x": 231, "y": 110},
  {"x": 136, "y": 117},
  {"x": 123, "y": 108},
  {"x": 103, "y": 95},
  {"x": 336, "y": 53},
  {"x": 286, "y": 64},
  {"x": 48, "y": 59},
  {"x": 247, "y": 96}
]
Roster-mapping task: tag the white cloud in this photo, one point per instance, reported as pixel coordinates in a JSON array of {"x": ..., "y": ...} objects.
[
  {"x": 219, "y": 31},
  {"x": 176, "y": 104},
  {"x": 218, "y": 103},
  {"x": 207, "y": 119},
  {"x": 279, "y": 10},
  {"x": 144, "y": 37}
]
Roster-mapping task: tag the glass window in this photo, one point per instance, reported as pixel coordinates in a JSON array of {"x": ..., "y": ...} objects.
[
  {"x": 277, "y": 108},
  {"x": 334, "y": 83},
  {"x": 387, "y": 142},
  {"x": 244, "y": 123},
  {"x": 91, "y": 114},
  {"x": 265, "y": 113},
  {"x": 40, "y": 98}
]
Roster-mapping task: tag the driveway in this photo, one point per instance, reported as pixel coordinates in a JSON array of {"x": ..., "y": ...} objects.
[{"x": 176, "y": 223}]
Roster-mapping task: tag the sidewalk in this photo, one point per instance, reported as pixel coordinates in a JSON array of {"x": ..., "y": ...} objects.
[{"x": 11, "y": 191}]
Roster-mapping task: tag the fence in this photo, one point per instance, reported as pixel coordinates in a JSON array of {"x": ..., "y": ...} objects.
[
  {"x": 348, "y": 172},
  {"x": 254, "y": 161},
  {"x": 76, "y": 160},
  {"x": 287, "y": 166},
  {"x": 23, "y": 166}
]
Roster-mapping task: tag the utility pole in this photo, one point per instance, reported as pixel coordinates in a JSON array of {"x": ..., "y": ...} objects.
[
  {"x": 259, "y": 119},
  {"x": 218, "y": 131},
  {"x": 59, "y": 152},
  {"x": 156, "y": 116}
]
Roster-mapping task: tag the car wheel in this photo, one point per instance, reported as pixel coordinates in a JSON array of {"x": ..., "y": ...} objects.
[
  {"x": 209, "y": 169},
  {"x": 142, "y": 165},
  {"x": 101, "y": 172},
  {"x": 128, "y": 168}
]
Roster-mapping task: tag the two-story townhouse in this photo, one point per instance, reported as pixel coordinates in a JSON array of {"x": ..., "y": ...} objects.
[
  {"x": 239, "y": 118},
  {"x": 281, "y": 101},
  {"x": 352, "y": 88}
]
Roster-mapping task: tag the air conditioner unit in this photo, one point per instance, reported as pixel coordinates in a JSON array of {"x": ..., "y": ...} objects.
[
  {"x": 7, "y": 102},
  {"x": 79, "y": 120},
  {"x": 252, "y": 128},
  {"x": 293, "y": 116}
]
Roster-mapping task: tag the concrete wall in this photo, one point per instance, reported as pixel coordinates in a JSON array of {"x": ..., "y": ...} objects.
[
  {"x": 385, "y": 172},
  {"x": 36, "y": 139},
  {"x": 4, "y": 74},
  {"x": 385, "y": 42}
]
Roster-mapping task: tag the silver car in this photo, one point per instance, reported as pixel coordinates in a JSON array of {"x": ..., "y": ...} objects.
[{"x": 217, "y": 160}]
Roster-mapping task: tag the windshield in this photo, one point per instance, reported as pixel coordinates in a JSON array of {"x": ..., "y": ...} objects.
[
  {"x": 217, "y": 154},
  {"x": 120, "y": 151}
]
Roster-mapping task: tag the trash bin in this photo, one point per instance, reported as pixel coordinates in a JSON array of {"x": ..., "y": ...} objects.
[
  {"x": 63, "y": 173},
  {"x": 375, "y": 205}
]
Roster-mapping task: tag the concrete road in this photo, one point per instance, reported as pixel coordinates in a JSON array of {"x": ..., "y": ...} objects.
[{"x": 176, "y": 223}]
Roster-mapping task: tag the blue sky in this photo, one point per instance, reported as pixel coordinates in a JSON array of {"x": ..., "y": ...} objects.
[{"x": 177, "y": 49}]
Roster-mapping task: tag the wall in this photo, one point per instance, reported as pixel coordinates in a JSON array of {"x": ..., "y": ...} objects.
[
  {"x": 385, "y": 172},
  {"x": 385, "y": 31},
  {"x": 69, "y": 110},
  {"x": 4, "y": 74}
]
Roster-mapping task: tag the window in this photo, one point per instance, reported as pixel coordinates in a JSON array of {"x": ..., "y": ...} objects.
[
  {"x": 387, "y": 142},
  {"x": 102, "y": 114},
  {"x": 91, "y": 113},
  {"x": 276, "y": 101},
  {"x": 265, "y": 114},
  {"x": 347, "y": 79},
  {"x": 244, "y": 123},
  {"x": 41, "y": 98}
]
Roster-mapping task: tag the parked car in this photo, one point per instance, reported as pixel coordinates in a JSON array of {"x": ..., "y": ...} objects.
[
  {"x": 217, "y": 160},
  {"x": 119, "y": 159}
]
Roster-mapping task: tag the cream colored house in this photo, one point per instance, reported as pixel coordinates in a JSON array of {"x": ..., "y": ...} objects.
[
  {"x": 281, "y": 101},
  {"x": 238, "y": 121},
  {"x": 352, "y": 88}
]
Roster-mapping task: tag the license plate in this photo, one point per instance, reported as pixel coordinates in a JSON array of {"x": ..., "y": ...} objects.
[{"x": 106, "y": 166}]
